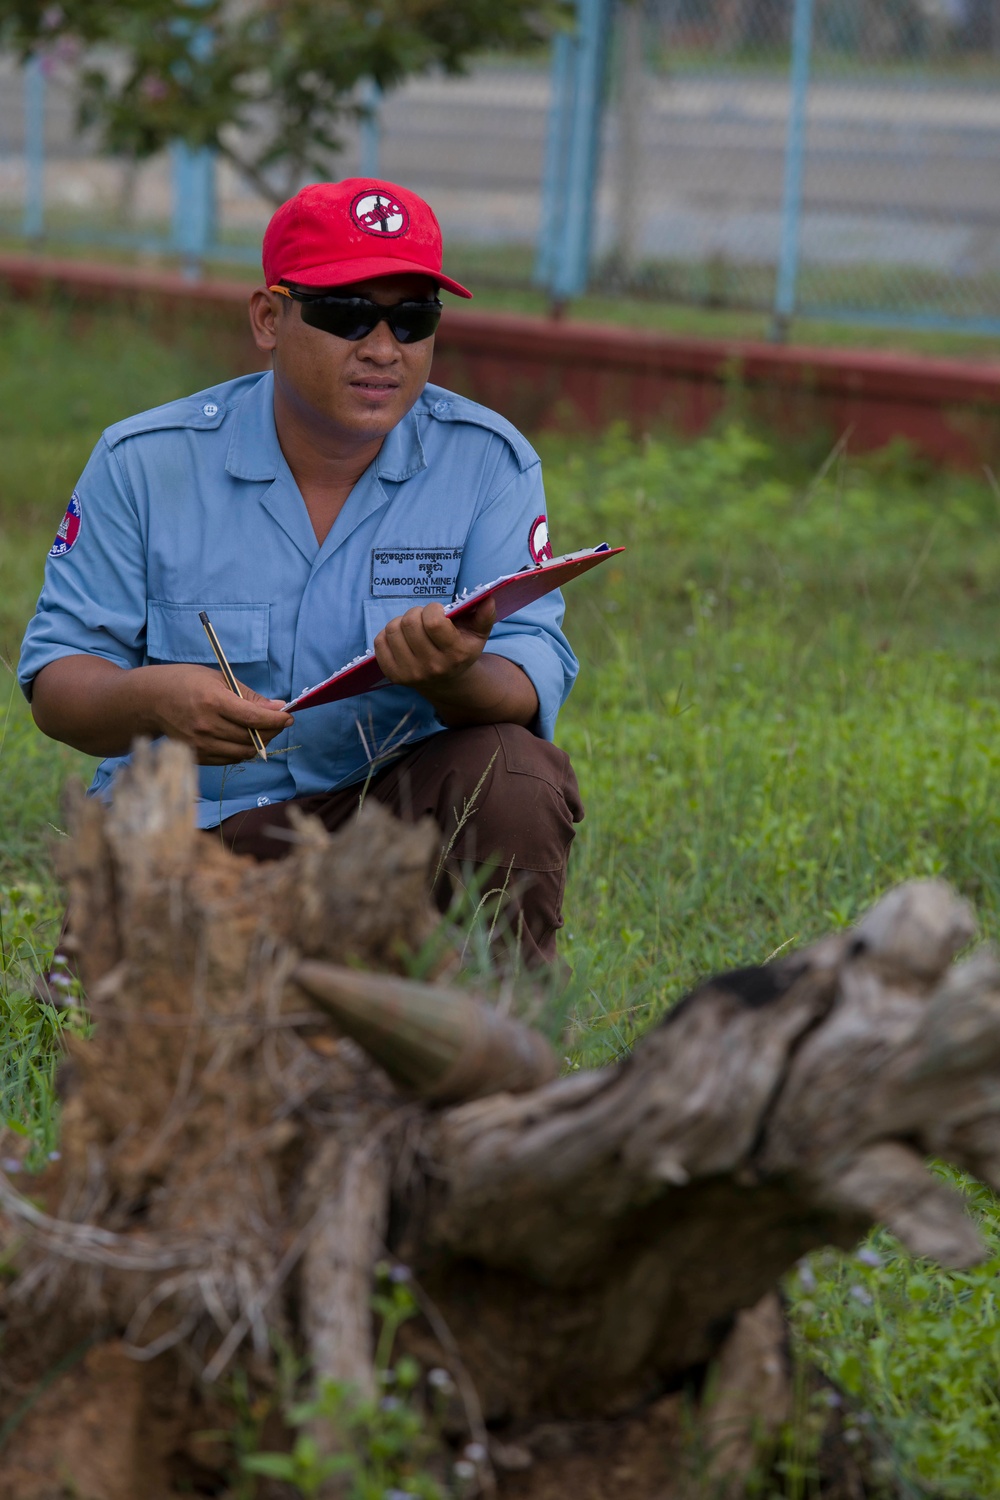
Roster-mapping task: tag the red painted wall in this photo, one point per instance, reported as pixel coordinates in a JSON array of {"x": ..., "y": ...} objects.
[{"x": 541, "y": 373}]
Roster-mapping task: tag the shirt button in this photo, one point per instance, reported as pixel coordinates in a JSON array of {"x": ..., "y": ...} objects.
[
  {"x": 210, "y": 408},
  {"x": 263, "y": 801},
  {"x": 442, "y": 406}
]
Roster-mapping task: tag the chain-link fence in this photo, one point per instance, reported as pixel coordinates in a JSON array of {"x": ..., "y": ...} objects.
[
  {"x": 690, "y": 201},
  {"x": 473, "y": 146},
  {"x": 896, "y": 212},
  {"x": 831, "y": 157},
  {"x": 901, "y": 183}
]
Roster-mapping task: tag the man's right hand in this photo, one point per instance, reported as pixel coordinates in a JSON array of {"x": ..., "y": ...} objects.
[
  {"x": 194, "y": 704},
  {"x": 101, "y": 708}
]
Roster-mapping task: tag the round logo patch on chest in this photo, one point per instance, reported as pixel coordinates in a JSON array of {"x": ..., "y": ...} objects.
[
  {"x": 69, "y": 528},
  {"x": 380, "y": 214},
  {"x": 538, "y": 540}
]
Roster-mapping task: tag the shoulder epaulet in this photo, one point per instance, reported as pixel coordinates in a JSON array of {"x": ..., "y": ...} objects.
[
  {"x": 202, "y": 411},
  {"x": 446, "y": 406}
]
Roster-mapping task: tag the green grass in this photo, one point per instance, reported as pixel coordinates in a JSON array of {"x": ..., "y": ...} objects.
[
  {"x": 917, "y": 1354},
  {"x": 790, "y": 699},
  {"x": 62, "y": 379}
]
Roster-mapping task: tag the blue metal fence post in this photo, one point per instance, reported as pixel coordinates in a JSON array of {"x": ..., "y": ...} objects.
[
  {"x": 573, "y": 153},
  {"x": 192, "y": 221},
  {"x": 584, "y": 148},
  {"x": 795, "y": 147},
  {"x": 552, "y": 206},
  {"x": 193, "y": 207},
  {"x": 34, "y": 149},
  {"x": 370, "y": 129}
]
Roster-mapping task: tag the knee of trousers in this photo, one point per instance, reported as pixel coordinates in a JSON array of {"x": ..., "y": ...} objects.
[{"x": 525, "y": 810}]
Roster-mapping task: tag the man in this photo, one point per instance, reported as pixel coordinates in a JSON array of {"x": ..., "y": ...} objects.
[{"x": 331, "y": 505}]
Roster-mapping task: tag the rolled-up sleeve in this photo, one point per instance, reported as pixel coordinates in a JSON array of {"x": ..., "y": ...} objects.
[
  {"x": 93, "y": 600},
  {"x": 498, "y": 544}
]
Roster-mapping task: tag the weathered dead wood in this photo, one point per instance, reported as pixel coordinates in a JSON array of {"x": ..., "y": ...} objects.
[
  {"x": 749, "y": 1397},
  {"x": 443, "y": 1044},
  {"x": 231, "y": 1166},
  {"x": 350, "y": 1180},
  {"x": 180, "y": 1207},
  {"x": 628, "y": 1214}
]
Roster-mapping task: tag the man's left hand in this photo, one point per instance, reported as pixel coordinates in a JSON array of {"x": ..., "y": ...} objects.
[
  {"x": 442, "y": 659},
  {"x": 425, "y": 650}
]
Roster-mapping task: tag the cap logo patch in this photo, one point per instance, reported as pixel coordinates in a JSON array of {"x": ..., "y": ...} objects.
[
  {"x": 538, "y": 541},
  {"x": 69, "y": 528},
  {"x": 380, "y": 214}
]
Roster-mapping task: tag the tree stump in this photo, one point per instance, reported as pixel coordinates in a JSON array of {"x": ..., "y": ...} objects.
[{"x": 268, "y": 1105}]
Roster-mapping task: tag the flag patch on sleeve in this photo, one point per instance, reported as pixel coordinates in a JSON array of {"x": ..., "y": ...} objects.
[{"x": 69, "y": 528}]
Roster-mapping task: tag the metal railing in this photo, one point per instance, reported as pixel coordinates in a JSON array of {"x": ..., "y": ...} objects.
[{"x": 830, "y": 158}]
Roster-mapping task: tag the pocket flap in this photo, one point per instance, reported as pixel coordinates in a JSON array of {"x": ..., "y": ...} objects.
[
  {"x": 175, "y": 633},
  {"x": 378, "y": 612}
]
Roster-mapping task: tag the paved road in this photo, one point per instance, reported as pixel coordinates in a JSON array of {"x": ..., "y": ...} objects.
[{"x": 896, "y": 174}]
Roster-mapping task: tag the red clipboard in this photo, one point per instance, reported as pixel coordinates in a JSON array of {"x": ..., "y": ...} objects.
[{"x": 510, "y": 593}]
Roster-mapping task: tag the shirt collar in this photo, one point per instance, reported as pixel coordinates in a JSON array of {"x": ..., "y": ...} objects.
[
  {"x": 255, "y": 453},
  {"x": 402, "y": 454}
]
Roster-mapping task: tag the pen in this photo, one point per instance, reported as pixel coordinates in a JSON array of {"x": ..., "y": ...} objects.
[{"x": 231, "y": 682}]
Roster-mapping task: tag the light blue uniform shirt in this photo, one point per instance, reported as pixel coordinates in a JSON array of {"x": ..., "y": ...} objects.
[{"x": 192, "y": 507}]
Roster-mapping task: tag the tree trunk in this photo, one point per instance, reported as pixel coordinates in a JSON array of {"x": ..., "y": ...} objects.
[{"x": 233, "y": 1163}]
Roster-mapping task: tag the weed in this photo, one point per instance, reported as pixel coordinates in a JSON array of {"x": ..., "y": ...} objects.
[
  {"x": 380, "y": 1445},
  {"x": 916, "y": 1349}
]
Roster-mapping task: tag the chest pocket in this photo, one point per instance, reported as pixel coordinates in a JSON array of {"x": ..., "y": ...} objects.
[
  {"x": 379, "y": 612},
  {"x": 174, "y": 633}
]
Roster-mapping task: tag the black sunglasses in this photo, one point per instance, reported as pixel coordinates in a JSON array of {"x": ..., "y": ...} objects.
[{"x": 353, "y": 318}]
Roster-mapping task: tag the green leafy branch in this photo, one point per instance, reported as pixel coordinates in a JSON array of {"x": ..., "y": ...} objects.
[{"x": 267, "y": 83}]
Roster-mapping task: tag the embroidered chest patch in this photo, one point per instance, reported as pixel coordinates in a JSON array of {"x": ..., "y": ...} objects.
[
  {"x": 420, "y": 572},
  {"x": 69, "y": 528}
]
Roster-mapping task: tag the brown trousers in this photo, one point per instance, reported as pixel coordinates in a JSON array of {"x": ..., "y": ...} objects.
[{"x": 512, "y": 798}]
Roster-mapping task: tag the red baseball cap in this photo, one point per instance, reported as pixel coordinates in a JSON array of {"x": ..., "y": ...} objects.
[{"x": 334, "y": 233}]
